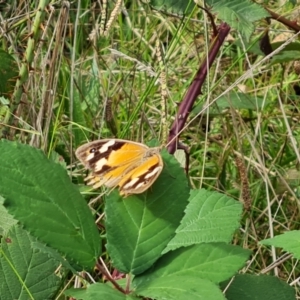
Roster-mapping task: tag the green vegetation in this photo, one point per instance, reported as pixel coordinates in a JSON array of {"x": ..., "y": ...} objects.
[{"x": 72, "y": 72}]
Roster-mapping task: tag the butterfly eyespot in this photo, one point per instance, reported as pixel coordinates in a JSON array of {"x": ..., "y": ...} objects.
[{"x": 93, "y": 150}]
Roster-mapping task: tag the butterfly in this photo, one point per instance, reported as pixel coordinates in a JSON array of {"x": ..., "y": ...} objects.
[{"x": 130, "y": 166}]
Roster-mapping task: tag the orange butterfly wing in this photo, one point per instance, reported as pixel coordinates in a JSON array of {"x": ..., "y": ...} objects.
[{"x": 131, "y": 166}]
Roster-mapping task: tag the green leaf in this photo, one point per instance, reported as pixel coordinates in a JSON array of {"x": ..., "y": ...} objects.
[
  {"x": 214, "y": 261},
  {"x": 242, "y": 101},
  {"x": 236, "y": 101},
  {"x": 25, "y": 272},
  {"x": 180, "y": 288},
  {"x": 209, "y": 217},
  {"x": 286, "y": 56},
  {"x": 263, "y": 287},
  {"x": 98, "y": 291},
  {"x": 140, "y": 226},
  {"x": 239, "y": 14},
  {"x": 54, "y": 254},
  {"x": 293, "y": 46},
  {"x": 179, "y": 7},
  {"x": 8, "y": 73},
  {"x": 40, "y": 195},
  {"x": 6, "y": 220},
  {"x": 289, "y": 241}
]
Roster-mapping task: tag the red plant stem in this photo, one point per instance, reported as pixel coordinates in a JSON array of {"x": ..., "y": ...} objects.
[
  {"x": 291, "y": 24},
  {"x": 195, "y": 88}
]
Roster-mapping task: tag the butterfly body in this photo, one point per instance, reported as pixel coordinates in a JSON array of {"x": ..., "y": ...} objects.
[{"x": 130, "y": 166}]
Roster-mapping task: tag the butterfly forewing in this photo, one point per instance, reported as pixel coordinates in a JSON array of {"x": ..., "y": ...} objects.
[{"x": 114, "y": 162}]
